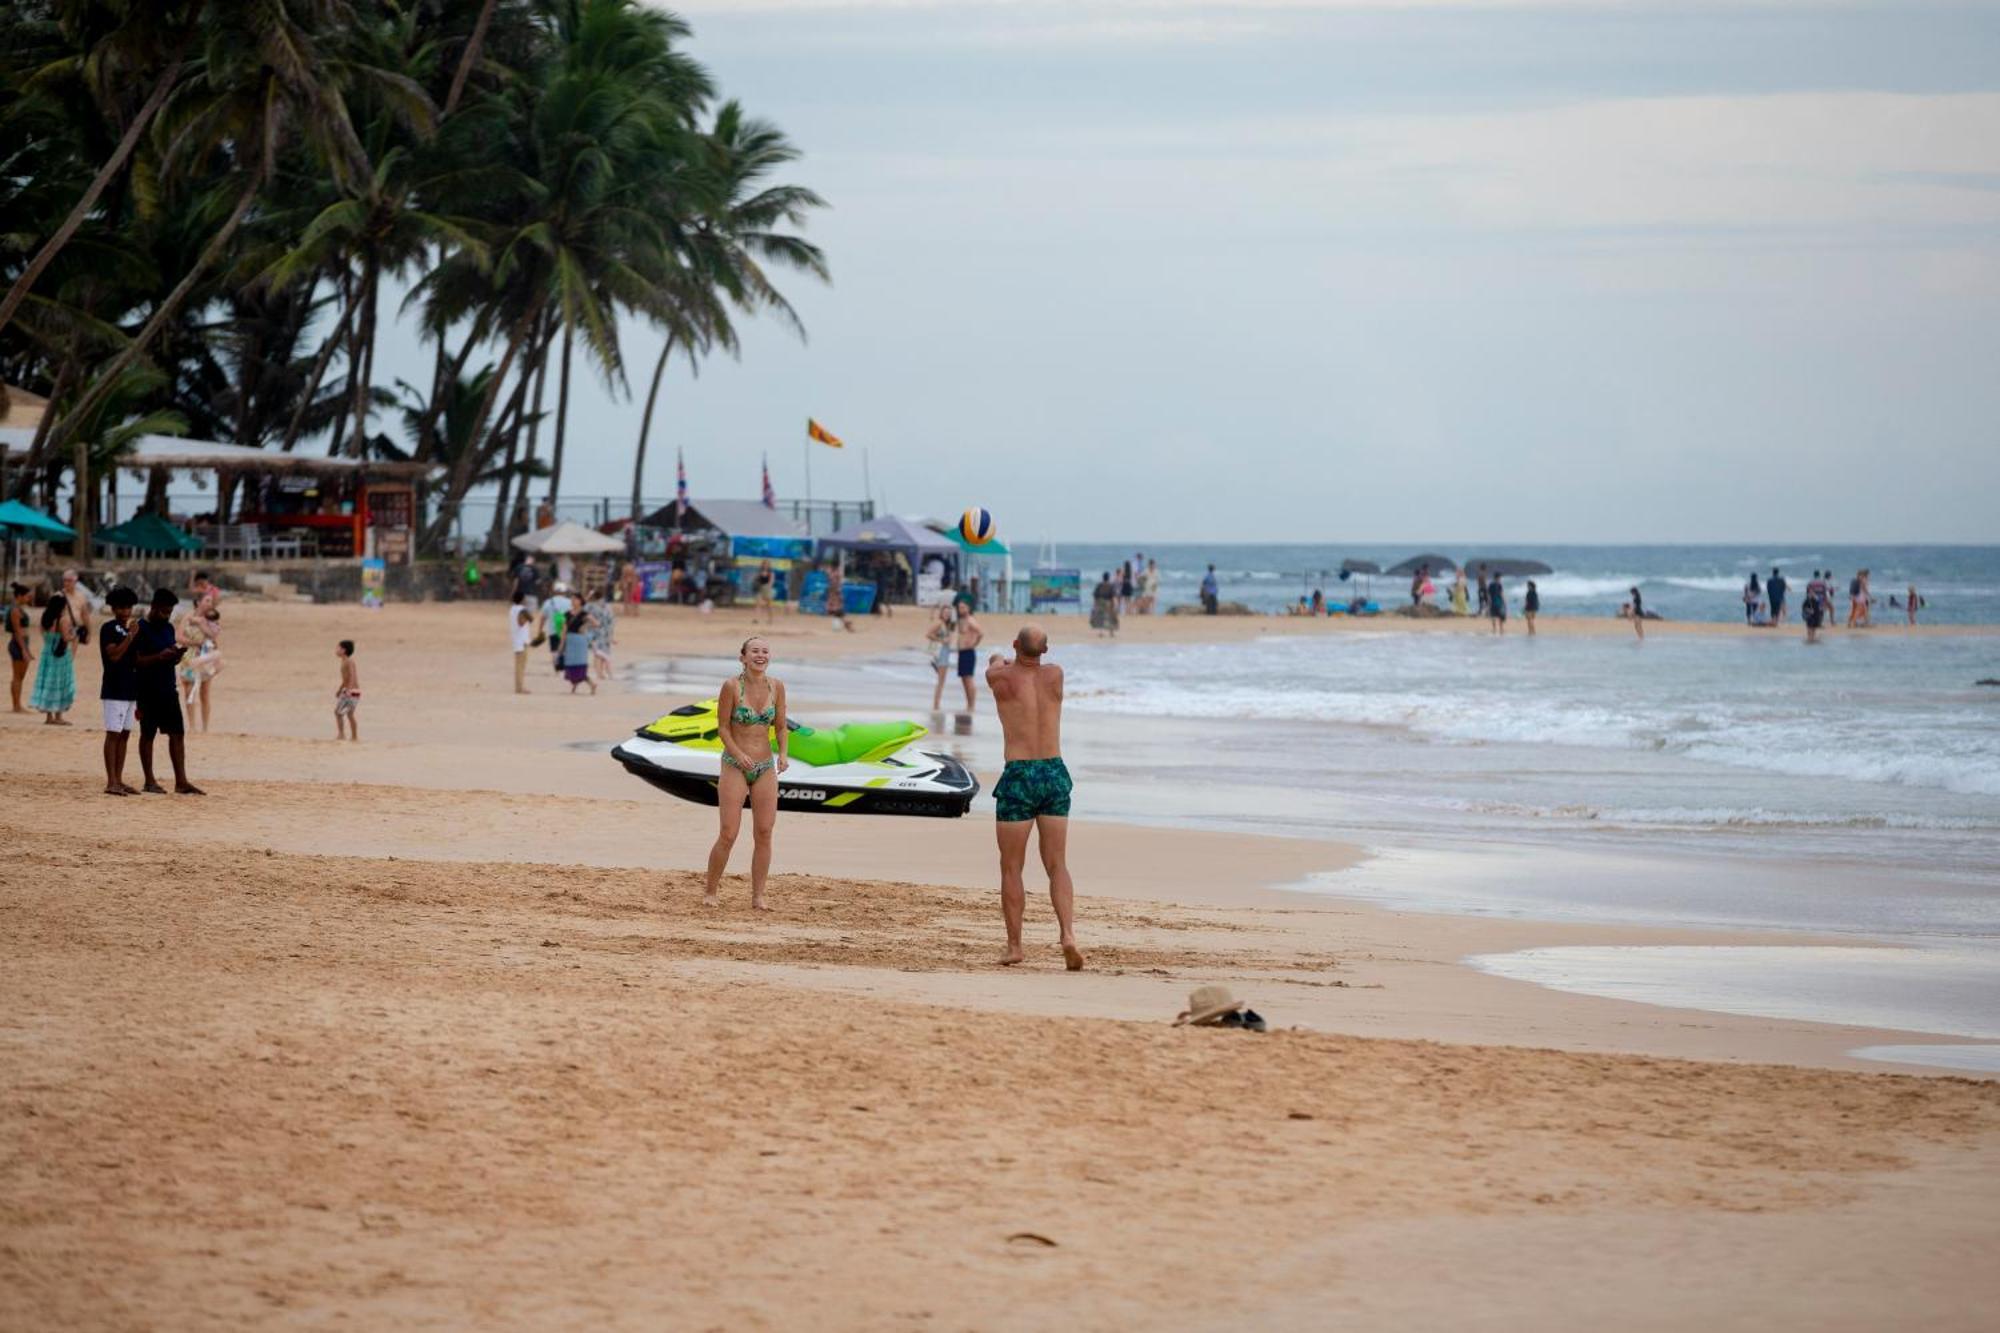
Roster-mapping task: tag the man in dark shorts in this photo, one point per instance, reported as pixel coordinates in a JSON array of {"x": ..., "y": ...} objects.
[
  {"x": 157, "y": 650},
  {"x": 1034, "y": 789},
  {"x": 1774, "y": 589},
  {"x": 970, "y": 636}
]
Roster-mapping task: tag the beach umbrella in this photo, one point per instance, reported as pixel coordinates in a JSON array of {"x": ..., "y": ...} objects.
[
  {"x": 150, "y": 533},
  {"x": 1512, "y": 569},
  {"x": 1430, "y": 560},
  {"x": 20, "y": 518},
  {"x": 568, "y": 538}
]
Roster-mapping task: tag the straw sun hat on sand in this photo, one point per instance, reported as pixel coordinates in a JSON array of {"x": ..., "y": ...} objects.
[{"x": 1208, "y": 1004}]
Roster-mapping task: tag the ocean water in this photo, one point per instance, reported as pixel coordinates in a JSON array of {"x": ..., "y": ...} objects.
[
  {"x": 1960, "y": 584},
  {"x": 1849, "y": 789}
]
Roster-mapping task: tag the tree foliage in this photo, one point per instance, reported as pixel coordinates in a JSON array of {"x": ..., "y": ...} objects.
[{"x": 211, "y": 205}]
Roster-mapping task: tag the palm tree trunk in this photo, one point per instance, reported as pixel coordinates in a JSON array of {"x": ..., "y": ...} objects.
[
  {"x": 320, "y": 364},
  {"x": 364, "y": 296},
  {"x": 65, "y": 376},
  {"x": 82, "y": 524},
  {"x": 469, "y": 59},
  {"x": 534, "y": 429},
  {"x": 562, "y": 419},
  {"x": 100, "y": 389},
  {"x": 105, "y": 175},
  {"x": 350, "y": 297},
  {"x": 646, "y": 427},
  {"x": 497, "y": 533},
  {"x": 445, "y": 376},
  {"x": 465, "y": 466}
]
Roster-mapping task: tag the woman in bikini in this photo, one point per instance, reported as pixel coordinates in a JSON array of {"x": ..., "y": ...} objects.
[{"x": 748, "y": 711}]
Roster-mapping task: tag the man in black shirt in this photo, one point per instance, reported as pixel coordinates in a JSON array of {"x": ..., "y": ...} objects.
[
  {"x": 120, "y": 690},
  {"x": 156, "y": 652},
  {"x": 1774, "y": 589},
  {"x": 528, "y": 581}
]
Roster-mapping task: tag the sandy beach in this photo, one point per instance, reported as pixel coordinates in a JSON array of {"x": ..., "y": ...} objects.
[{"x": 431, "y": 1030}]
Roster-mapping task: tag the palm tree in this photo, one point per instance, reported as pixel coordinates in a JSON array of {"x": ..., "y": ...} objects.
[
  {"x": 260, "y": 77},
  {"x": 145, "y": 35},
  {"x": 733, "y": 233},
  {"x": 613, "y": 101}
]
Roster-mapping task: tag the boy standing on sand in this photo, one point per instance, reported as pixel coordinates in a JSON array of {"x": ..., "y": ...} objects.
[
  {"x": 347, "y": 696},
  {"x": 1034, "y": 789}
]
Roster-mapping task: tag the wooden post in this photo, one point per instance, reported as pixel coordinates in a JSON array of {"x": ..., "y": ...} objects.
[{"x": 83, "y": 498}]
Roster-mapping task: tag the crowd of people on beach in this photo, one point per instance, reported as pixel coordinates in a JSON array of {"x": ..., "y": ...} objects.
[
  {"x": 155, "y": 669},
  {"x": 1132, "y": 589},
  {"x": 1764, "y": 605}
]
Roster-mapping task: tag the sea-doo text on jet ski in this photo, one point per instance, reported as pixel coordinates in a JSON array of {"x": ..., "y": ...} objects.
[{"x": 863, "y": 768}]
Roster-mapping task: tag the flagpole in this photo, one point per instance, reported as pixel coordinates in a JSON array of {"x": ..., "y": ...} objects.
[
  {"x": 809, "y": 482},
  {"x": 867, "y": 486}
]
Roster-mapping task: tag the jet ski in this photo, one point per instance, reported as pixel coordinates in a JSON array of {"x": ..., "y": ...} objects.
[{"x": 862, "y": 768}]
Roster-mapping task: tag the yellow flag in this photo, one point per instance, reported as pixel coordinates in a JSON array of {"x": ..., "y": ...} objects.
[{"x": 815, "y": 431}]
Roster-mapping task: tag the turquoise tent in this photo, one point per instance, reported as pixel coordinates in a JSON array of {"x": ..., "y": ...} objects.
[
  {"x": 996, "y": 547},
  {"x": 17, "y": 517},
  {"x": 150, "y": 533}
]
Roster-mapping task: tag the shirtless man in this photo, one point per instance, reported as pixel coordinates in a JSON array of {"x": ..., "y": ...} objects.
[
  {"x": 79, "y": 605},
  {"x": 1034, "y": 789},
  {"x": 970, "y": 635}
]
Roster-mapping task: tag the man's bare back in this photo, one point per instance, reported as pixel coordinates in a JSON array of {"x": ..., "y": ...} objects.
[
  {"x": 1029, "y": 695},
  {"x": 1034, "y": 790}
]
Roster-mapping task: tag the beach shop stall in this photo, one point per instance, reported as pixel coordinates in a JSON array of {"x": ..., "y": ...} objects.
[
  {"x": 730, "y": 540},
  {"x": 904, "y": 560}
]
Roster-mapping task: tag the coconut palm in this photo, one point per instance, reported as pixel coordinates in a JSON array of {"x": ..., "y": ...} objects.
[
  {"x": 145, "y": 44},
  {"x": 260, "y": 79},
  {"x": 730, "y": 229}
]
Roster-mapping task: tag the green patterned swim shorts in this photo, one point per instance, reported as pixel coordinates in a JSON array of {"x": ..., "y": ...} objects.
[{"x": 1031, "y": 787}]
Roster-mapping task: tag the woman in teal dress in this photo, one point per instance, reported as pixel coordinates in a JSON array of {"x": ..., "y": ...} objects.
[{"x": 55, "y": 680}]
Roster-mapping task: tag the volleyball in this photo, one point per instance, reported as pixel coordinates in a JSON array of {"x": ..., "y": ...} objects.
[{"x": 976, "y": 527}]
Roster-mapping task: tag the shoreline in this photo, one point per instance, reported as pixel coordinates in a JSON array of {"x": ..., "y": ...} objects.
[{"x": 537, "y": 753}]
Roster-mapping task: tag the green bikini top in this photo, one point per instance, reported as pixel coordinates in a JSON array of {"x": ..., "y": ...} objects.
[{"x": 744, "y": 716}]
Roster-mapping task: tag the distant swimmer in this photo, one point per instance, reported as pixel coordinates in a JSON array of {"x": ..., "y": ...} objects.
[{"x": 1034, "y": 789}]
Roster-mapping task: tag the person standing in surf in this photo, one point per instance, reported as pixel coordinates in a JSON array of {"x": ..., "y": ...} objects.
[
  {"x": 1032, "y": 796},
  {"x": 1638, "y": 614},
  {"x": 749, "y": 710}
]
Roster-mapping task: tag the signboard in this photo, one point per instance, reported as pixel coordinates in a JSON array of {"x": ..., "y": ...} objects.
[
  {"x": 656, "y": 580},
  {"x": 770, "y": 548},
  {"x": 393, "y": 545},
  {"x": 374, "y": 580},
  {"x": 858, "y": 599},
  {"x": 1052, "y": 588}
]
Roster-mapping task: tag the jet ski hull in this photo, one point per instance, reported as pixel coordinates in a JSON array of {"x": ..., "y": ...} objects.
[{"x": 909, "y": 782}]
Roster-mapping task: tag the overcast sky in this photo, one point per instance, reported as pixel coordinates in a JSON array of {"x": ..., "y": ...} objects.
[{"x": 1297, "y": 270}]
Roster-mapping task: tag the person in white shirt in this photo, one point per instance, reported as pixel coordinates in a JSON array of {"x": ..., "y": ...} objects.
[{"x": 521, "y": 629}]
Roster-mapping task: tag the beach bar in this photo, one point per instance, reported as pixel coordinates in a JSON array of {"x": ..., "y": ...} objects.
[{"x": 285, "y": 505}]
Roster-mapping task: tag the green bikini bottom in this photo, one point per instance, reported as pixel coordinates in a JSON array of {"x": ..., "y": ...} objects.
[{"x": 752, "y": 773}]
